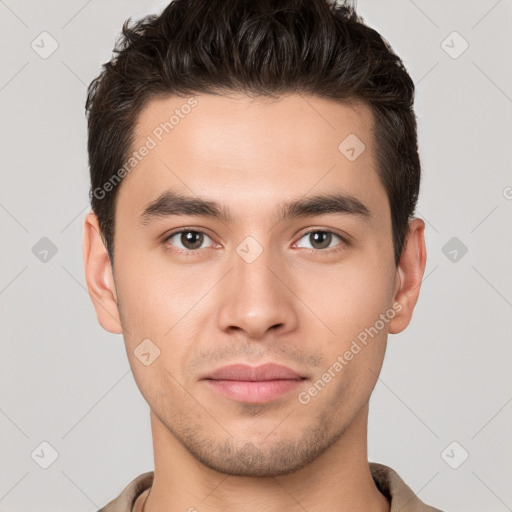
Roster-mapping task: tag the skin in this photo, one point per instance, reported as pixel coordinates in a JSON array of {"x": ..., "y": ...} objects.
[{"x": 210, "y": 307}]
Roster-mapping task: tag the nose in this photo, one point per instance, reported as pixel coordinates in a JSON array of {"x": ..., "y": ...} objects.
[{"x": 256, "y": 297}]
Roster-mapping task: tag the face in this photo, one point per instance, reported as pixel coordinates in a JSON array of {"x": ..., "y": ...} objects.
[{"x": 261, "y": 273}]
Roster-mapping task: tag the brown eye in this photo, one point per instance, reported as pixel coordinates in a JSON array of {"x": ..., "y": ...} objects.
[
  {"x": 187, "y": 240},
  {"x": 321, "y": 240}
]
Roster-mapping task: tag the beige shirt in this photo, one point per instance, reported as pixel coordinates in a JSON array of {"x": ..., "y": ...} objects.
[{"x": 401, "y": 497}]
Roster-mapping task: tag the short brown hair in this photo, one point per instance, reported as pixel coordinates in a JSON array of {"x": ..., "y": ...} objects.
[{"x": 257, "y": 47}]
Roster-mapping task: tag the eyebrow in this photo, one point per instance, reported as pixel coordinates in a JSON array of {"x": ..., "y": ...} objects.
[{"x": 172, "y": 203}]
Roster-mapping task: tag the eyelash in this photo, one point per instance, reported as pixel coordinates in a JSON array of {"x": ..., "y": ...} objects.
[{"x": 193, "y": 252}]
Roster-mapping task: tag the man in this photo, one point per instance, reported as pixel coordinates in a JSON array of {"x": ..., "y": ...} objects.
[{"x": 254, "y": 175}]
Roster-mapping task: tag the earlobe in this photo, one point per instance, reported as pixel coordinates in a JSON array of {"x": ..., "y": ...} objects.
[
  {"x": 99, "y": 276},
  {"x": 409, "y": 275}
]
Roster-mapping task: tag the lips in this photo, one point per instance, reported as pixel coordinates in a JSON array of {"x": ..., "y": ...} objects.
[
  {"x": 254, "y": 384},
  {"x": 265, "y": 372}
]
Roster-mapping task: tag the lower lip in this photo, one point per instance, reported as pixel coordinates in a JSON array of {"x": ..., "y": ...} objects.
[{"x": 254, "y": 392}]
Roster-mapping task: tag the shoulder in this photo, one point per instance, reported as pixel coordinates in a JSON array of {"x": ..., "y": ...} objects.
[
  {"x": 396, "y": 490},
  {"x": 124, "y": 502}
]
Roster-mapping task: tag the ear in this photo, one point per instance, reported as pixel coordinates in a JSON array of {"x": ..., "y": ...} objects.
[
  {"x": 409, "y": 275},
  {"x": 99, "y": 276}
]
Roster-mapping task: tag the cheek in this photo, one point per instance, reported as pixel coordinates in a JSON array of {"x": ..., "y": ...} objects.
[
  {"x": 159, "y": 306},
  {"x": 153, "y": 298},
  {"x": 345, "y": 299},
  {"x": 349, "y": 301}
]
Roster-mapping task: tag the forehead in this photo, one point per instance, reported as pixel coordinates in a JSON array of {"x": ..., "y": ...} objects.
[
  {"x": 255, "y": 151},
  {"x": 298, "y": 125}
]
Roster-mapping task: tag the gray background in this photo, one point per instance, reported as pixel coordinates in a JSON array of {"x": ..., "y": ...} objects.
[{"x": 447, "y": 378}]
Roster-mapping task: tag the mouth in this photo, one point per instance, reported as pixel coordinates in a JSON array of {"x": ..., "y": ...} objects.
[{"x": 249, "y": 384}]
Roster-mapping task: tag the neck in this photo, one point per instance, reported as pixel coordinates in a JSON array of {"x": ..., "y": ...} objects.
[{"x": 337, "y": 480}]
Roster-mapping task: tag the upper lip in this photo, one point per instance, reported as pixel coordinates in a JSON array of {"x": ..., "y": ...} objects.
[{"x": 268, "y": 371}]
